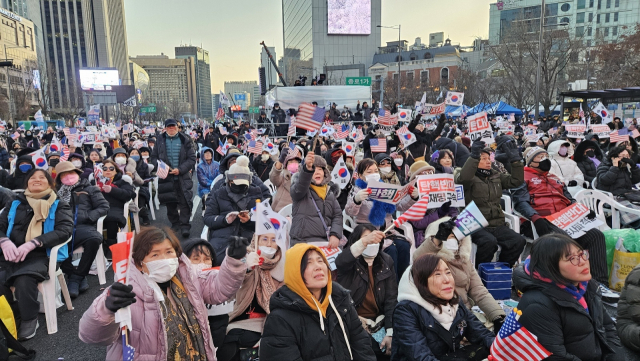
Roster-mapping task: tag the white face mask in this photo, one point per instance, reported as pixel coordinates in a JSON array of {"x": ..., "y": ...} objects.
[
  {"x": 198, "y": 267},
  {"x": 371, "y": 251},
  {"x": 451, "y": 244},
  {"x": 145, "y": 157},
  {"x": 265, "y": 157},
  {"x": 121, "y": 160},
  {"x": 385, "y": 170},
  {"x": 76, "y": 163},
  {"x": 398, "y": 161},
  {"x": 267, "y": 252},
  {"x": 373, "y": 177},
  {"x": 162, "y": 270}
]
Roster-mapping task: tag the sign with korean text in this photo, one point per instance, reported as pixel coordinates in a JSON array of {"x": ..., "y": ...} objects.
[
  {"x": 480, "y": 128},
  {"x": 440, "y": 188},
  {"x": 574, "y": 221},
  {"x": 576, "y": 130},
  {"x": 331, "y": 254},
  {"x": 601, "y": 130},
  {"x": 388, "y": 193},
  {"x": 361, "y": 80},
  {"x": 433, "y": 109},
  {"x": 89, "y": 138},
  {"x": 470, "y": 220}
]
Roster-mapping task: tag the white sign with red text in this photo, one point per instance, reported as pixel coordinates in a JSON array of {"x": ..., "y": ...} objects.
[
  {"x": 440, "y": 188},
  {"x": 480, "y": 128},
  {"x": 574, "y": 221}
]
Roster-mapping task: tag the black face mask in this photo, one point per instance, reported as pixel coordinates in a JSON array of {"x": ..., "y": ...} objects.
[
  {"x": 591, "y": 153},
  {"x": 238, "y": 188},
  {"x": 545, "y": 165},
  {"x": 54, "y": 162},
  {"x": 483, "y": 172}
]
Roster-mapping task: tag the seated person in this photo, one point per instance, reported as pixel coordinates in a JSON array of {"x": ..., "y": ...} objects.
[
  {"x": 543, "y": 194},
  {"x": 628, "y": 311},
  {"x": 208, "y": 170}
]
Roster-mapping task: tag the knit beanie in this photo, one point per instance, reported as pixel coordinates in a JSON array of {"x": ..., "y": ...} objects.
[
  {"x": 419, "y": 167},
  {"x": 531, "y": 153},
  {"x": 239, "y": 172},
  {"x": 466, "y": 141}
]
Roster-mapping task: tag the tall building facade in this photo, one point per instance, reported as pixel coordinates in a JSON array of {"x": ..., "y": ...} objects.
[
  {"x": 200, "y": 57},
  {"x": 215, "y": 103},
  {"x": 80, "y": 34},
  {"x": 30, "y": 9},
  {"x": 271, "y": 74},
  {"x": 319, "y": 38},
  {"x": 233, "y": 87},
  {"x": 594, "y": 20},
  {"x": 172, "y": 82}
]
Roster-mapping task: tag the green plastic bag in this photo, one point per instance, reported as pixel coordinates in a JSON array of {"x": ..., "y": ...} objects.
[{"x": 631, "y": 241}]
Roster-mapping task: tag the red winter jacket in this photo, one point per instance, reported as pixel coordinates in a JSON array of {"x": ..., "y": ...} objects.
[{"x": 546, "y": 192}]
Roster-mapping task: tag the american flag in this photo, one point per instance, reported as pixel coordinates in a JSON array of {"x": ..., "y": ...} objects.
[
  {"x": 97, "y": 174},
  {"x": 309, "y": 117},
  {"x": 127, "y": 128},
  {"x": 220, "y": 114},
  {"x": 414, "y": 213},
  {"x": 385, "y": 118},
  {"x": 635, "y": 133},
  {"x": 403, "y": 129},
  {"x": 621, "y": 135},
  {"x": 515, "y": 342},
  {"x": 378, "y": 145},
  {"x": 163, "y": 170},
  {"x": 15, "y": 135},
  {"x": 64, "y": 155},
  {"x": 342, "y": 131},
  {"x": 223, "y": 130},
  {"x": 255, "y": 147},
  {"x": 249, "y": 136},
  {"x": 21, "y": 127},
  {"x": 118, "y": 125},
  {"x": 222, "y": 149},
  {"x": 127, "y": 350},
  {"x": 292, "y": 127}
]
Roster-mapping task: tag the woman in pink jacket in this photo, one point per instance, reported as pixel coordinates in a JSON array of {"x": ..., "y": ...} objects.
[{"x": 167, "y": 297}]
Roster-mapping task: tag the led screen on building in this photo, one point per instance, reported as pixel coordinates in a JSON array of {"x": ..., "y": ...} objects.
[
  {"x": 98, "y": 79},
  {"x": 349, "y": 17}
]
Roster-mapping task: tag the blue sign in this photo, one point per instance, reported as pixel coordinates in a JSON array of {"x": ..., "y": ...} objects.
[{"x": 238, "y": 97}]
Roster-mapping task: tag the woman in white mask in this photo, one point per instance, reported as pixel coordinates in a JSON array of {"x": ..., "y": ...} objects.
[
  {"x": 127, "y": 165},
  {"x": 369, "y": 275},
  {"x": 246, "y": 321},
  {"x": 387, "y": 169},
  {"x": 167, "y": 298}
]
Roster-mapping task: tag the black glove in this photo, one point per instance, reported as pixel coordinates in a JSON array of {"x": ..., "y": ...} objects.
[
  {"x": 283, "y": 155},
  {"x": 444, "y": 209},
  {"x": 591, "y": 215},
  {"x": 442, "y": 118},
  {"x": 119, "y": 296},
  {"x": 628, "y": 161},
  {"x": 543, "y": 226},
  {"x": 476, "y": 149},
  {"x": 497, "y": 324},
  {"x": 572, "y": 183},
  {"x": 237, "y": 247},
  {"x": 444, "y": 230}
]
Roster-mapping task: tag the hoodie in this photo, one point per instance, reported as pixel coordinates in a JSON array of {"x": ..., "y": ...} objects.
[
  {"x": 207, "y": 172},
  {"x": 564, "y": 167},
  {"x": 17, "y": 179},
  {"x": 293, "y": 278},
  {"x": 460, "y": 152}
]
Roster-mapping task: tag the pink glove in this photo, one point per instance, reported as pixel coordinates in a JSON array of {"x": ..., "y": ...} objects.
[
  {"x": 9, "y": 249},
  {"x": 24, "y": 250},
  {"x": 106, "y": 188}
]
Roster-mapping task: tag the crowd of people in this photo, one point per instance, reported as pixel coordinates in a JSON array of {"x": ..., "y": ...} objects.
[{"x": 239, "y": 294}]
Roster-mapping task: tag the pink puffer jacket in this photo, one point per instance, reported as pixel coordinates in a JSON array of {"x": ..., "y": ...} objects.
[{"x": 148, "y": 337}]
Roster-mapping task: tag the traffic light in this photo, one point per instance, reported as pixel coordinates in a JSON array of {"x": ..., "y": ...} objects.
[{"x": 263, "y": 80}]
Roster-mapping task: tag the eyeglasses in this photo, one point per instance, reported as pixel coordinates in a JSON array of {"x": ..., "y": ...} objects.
[
  {"x": 108, "y": 169},
  {"x": 575, "y": 260}
]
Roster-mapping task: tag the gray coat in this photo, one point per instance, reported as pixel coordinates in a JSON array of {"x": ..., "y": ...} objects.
[
  {"x": 306, "y": 225},
  {"x": 166, "y": 192}
]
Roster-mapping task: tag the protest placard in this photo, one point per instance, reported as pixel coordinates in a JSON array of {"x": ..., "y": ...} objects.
[
  {"x": 480, "y": 128},
  {"x": 388, "y": 193},
  {"x": 574, "y": 221},
  {"x": 469, "y": 221},
  {"x": 601, "y": 130},
  {"x": 440, "y": 188},
  {"x": 575, "y": 131},
  {"x": 331, "y": 254}
]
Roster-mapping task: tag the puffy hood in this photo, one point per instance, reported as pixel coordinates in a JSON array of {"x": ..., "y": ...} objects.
[
  {"x": 524, "y": 282},
  {"x": 555, "y": 146},
  {"x": 293, "y": 277},
  {"x": 224, "y": 163},
  {"x": 579, "y": 156},
  {"x": 235, "y": 139},
  {"x": 206, "y": 149},
  {"x": 328, "y": 156},
  {"x": 460, "y": 152},
  {"x": 634, "y": 145},
  {"x": 24, "y": 159},
  {"x": 79, "y": 156},
  {"x": 464, "y": 246}
]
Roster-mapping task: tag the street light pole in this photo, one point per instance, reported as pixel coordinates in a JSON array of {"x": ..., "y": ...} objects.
[
  {"x": 537, "y": 101},
  {"x": 6, "y": 68},
  {"x": 399, "y": 56}
]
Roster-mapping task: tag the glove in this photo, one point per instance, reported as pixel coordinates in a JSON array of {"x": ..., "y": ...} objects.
[
  {"x": 476, "y": 149},
  {"x": 572, "y": 183},
  {"x": 119, "y": 296},
  {"x": 254, "y": 259},
  {"x": 106, "y": 188},
  {"x": 514, "y": 154},
  {"x": 444, "y": 230},
  {"x": 442, "y": 118},
  {"x": 283, "y": 155},
  {"x": 24, "y": 250},
  {"x": 591, "y": 215},
  {"x": 231, "y": 216},
  {"x": 628, "y": 161},
  {"x": 362, "y": 195},
  {"x": 237, "y": 247},
  {"x": 9, "y": 249},
  {"x": 444, "y": 209},
  {"x": 543, "y": 226},
  {"x": 415, "y": 195},
  {"x": 497, "y": 324}
]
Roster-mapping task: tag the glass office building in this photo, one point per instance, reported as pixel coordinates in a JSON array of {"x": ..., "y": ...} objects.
[{"x": 298, "y": 39}]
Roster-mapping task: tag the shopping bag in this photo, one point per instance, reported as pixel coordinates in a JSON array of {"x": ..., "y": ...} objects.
[{"x": 623, "y": 263}]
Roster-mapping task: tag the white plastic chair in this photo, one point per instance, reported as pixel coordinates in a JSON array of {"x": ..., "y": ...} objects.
[
  {"x": 271, "y": 186},
  {"x": 595, "y": 200},
  {"x": 196, "y": 203},
  {"x": 48, "y": 290},
  {"x": 157, "y": 202},
  {"x": 100, "y": 260},
  {"x": 205, "y": 233},
  {"x": 153, "y": 212},
  {"x": 348, "y": 223},
  {"x": 136, "y": 215},
  {"x": 286, "y": 210}
]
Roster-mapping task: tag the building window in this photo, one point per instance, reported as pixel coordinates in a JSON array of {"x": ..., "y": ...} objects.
[
  {"x": 606, "y": 32},
  {"x": 410, "y": 76},
  {"x": 589, "y": 31},
  {"x": 607, "y": 17},
  {"x": 608, "y": 4},
  {"x": 399, "y": 58},
  {"x": 565, "y": 7},
  {"x": 614, "y": 31},
  {"x": 565, "y": 20},
  {"x": 427, "y": 55},
  {"x": 591, "y": 3},
  {"x": 582, "y": 4},
  {"x": 444, "y": 76},
  {"x": 580, "y": 18},
  {"x": 617, "y": 3},
  {"x": 599, "y": 4},
  {"x": 598, "y": 19},
  {"x": 590, "y": 17},
  {"x": 424, "y": 78},
  {"x": 579, "y": 31},
  {"x": 615, "y": 17},
  {"x": 395, "y": 77}
]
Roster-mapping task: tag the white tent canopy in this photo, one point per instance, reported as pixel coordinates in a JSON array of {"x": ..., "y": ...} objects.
[{"x": 342, "y": 95}]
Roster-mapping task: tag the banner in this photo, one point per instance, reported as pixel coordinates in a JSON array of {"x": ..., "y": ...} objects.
[
  {"x": 602, "y": 131},
  {"x": 331, "y": 254},
  {"x": 440, "y": 188},
  {"x": 469, "y": 221},
  {"x": 480, "y": 128},
  {"x": 574, "y": 221},
  {"x": 388, "y": 193},
  {"x": 576, "y": 130}
]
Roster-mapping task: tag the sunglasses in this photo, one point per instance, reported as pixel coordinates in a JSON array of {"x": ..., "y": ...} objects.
[
  {"x": 108, "y": 168},
  {"x": 575, "y": 260}
]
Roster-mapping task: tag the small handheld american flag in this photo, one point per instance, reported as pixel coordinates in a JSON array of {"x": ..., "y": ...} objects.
[
  {"x": 378, "y": 145},
  {"x": 309, "y": 117},
  {"x": 292, "y": 127},
  {"x": 163, "y": 170},
  {"x": 415, "y": 213},
  {"x": 515, "y": 342},
  {"x": 255, "y": 147},
  {"x": 620, "y": 135}
]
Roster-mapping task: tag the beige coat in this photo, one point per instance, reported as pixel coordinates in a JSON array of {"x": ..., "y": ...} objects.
[
  {"x": 469, "y": 286},
  {"x": 282, "y": 180}
]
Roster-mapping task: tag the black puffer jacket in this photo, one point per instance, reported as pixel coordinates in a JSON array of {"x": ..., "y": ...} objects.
[
  {"x": 119, "y": 195},
  {"x": 561, "y": 324},
  {"x": 261, "y": 168},
  {"x": 586, "y": 165},
  {"x": 292, "y": 330},
  {"x": 460, "y": 152},
  {"x": 615, "y": 179},
  {"x": 17, "y": 179},
  {"x": 221, "y": 202},
  {"x": 91, "y": 205},
  {"x": 353, "y": 274},
  {"x": 187, "y": 160}
]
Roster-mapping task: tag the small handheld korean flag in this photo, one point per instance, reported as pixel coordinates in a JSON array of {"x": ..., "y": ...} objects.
[
  {"x": 340, "y": 174},
  {"x": 349, "y": 148},
  {"x": 454, "y": 98},
  {"x": 39, "y": 159},
  {"x": 270, "y": 147},
  {"x": 269, "y": 221}
]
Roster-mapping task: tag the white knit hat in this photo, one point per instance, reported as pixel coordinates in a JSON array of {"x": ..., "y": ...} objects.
[{"x": 239, "y": 172}]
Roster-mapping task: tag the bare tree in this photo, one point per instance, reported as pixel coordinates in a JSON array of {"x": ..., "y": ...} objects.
[{"x": 617, "y": 64}]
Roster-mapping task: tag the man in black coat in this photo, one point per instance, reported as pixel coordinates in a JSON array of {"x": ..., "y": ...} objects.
[
  {"x": 279, "y": 118},
  {"x": 176, "y": 191}
]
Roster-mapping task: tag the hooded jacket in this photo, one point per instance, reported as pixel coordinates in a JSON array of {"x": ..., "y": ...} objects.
[
  {"x": 542, "y": 193},
  {"x": 306, "y": 225},
  {"x": 469, "y": 286},
  {"x": 586, "y": 165},
  {"x": 561, "y": 324},
  {"x": 148, "y": 336},
  {"x": 615, "y": 179},
  {"x": 262, "y": 169},
  {"x": 17, "y": 179},
  {"x": 564, "y": 167},
  {"x": 418, "y": 331},
  {"x": 300, "y": 327},
  {"x": 460, "y": 152},
  {"x": 282, "y": 180},
  {"x": 224, "y": 167},
  {"x": 90, "y": 205},
  {"x": 629, "y": 311},
  {"x": 206, "y": 172},
  {"x": 131, "y": 167},
  {"x": 86, "y": 171}
]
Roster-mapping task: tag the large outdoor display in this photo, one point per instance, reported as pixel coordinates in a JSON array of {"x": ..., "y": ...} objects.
[
  {"x": 349, "y": 17},
  {"x": 98, "y": 79}
]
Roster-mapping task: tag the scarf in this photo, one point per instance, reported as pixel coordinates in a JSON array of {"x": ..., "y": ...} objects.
[
  {"x": 40, "y": 208},
  {"x": 321, "y": 191},
  {"x": 483, "y": 172},
  {"x": 390, "y": 178},
  {"x": 65, "y": 191},
  {"x": 576, "y": 292},
  {"x": 595, "y": 161},
  {"x": 258, "y": 282},
  {"x": 184, "y": 336}
]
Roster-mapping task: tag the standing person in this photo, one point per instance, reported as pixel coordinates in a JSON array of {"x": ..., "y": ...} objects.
[
  {"x": 208, "y": 170},
  {"x": 262, "y": 165},
  {"x": 287, "y": 165},
  {"x": 27, "y": 229},
  {"x": 176, "y": 150},
  {"x": 561, "y": 304},
  {"x": 312, "y": 318},
  {"x": 279, "y": 116}
]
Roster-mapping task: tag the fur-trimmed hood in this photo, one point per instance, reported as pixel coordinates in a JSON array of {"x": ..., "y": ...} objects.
[
  {"x": 584, "y": 145},
  {"x": 464, "y": 245}
]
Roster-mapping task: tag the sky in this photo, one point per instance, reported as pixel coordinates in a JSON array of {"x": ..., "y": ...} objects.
[{"x": 231, "y": 30}]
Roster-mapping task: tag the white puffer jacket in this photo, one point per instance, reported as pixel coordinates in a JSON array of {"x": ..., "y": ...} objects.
[{"x": 564, "y": 167}]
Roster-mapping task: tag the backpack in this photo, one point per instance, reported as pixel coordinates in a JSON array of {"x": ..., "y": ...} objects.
[{"x": 49, "y": 224}]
